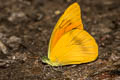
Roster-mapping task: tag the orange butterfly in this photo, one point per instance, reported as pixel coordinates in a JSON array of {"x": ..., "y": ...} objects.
[{"x": 70, "y": 43}]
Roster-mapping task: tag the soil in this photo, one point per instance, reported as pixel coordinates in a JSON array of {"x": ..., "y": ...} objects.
[{"x": 25, "y": 29}]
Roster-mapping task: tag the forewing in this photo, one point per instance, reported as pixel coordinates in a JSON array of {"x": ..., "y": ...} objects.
[
  {"x": 69, "y": 20},
  {"x": 74, "y": 47}
]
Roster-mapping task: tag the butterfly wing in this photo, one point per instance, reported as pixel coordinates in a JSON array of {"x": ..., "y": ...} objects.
[
  {"x": 69, "y": 20},
  {"x": 74, "y": 47}
]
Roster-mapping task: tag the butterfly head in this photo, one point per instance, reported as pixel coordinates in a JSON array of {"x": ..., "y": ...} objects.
[{"x": 47, "y": 60}]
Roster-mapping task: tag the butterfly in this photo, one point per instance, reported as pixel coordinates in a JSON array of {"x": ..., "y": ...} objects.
[{"x": 69, "y": 42}]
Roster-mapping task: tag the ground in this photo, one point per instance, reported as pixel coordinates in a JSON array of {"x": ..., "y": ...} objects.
[{"x": 25, "y": 29}]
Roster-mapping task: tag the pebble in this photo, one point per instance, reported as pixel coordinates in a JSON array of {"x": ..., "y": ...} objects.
[
  {"x": 115, "y": 57},
  {"x": 16, "y": 15},
  {"x": 40, "y": 16},
  {"x": 68, "y": 0},
  {"x": 20, "y": 56},
  {"x": 118, "y": 48},
  {"x": 107, "y": 2},
  {"x": 57, "y": 12},
  {"x": 14, "y": 42},
  {"x": 116, "y": 78},
  {"x": 105, "y": 29},
  {"x": 3, "y": 37},
  {"x": 5, "y": 63},
  {"x": 93, "y": 33},
  {"x": 14, "y": 39},
  {"x": 3, "y": 48}
]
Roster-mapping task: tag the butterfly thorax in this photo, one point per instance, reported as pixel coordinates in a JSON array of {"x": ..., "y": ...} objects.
[{"x": 47, "y": 60}]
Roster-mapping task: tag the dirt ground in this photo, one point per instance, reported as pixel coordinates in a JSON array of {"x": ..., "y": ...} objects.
[{"x": 25, "y": 29}]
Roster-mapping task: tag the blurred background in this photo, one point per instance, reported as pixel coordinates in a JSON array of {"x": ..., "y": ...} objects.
[{"x": 25, "y": 29}]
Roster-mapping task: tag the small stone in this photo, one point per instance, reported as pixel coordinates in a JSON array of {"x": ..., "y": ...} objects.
[
  {"x": 40, "y": 16},
  {"x": 93, "y": 33},
  {"x": 106, "y": 30},
  {"x": 57, "y": 12},
  {"x": 107, "y": 2},
  {"x": 117, "y": 78},
  {"x": 3, "y": 48},
  {"x": 118, "y": 48},
  {"x": 68, "y": 0},
  {"x": 13, "y": 57},
  {"x": 114, "y": 57},
  {"x": 16, "y": 15},
  {"x": 14, "y": 42},
  {"x": 5, "y": 63},
  {"x": 20, "y": 56},
  {"x": 14, "y": 39},
  {"x": 20, "y": 14},
  {"x": 3, "y": 37}
]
